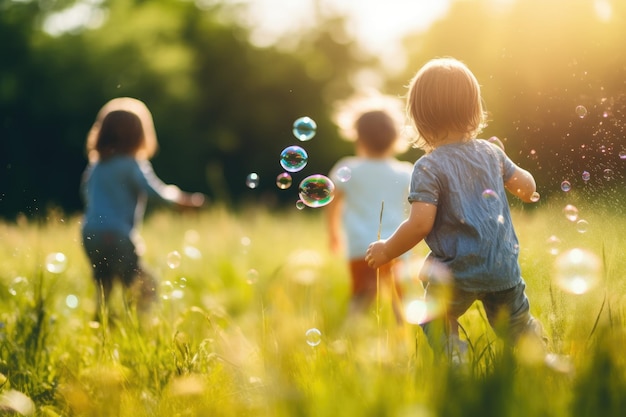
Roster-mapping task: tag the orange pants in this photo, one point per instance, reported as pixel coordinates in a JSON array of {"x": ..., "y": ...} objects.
[{"x": 364, "y": 279}]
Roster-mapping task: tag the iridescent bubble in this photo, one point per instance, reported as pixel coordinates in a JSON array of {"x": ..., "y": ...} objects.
[
  {"x": 316, "y": 190},
  {"x": 300, "y": 205},
  {"x": 608, "y": 174},
  {"x": 283, "y": 180},
  {"x": 252, "y": 276},
  {"x": 535, "y": 197},
  {"x": 313, "y": 337},
  {"x": 293, "y": 158},
  {"x": 571, "y": 212},
  {"x": 582, "y": 226},
  {"x": 566, "y": 186},
  {"x": 581, "y": 111},
  {"x": 173, "y": 259},
  {"x": 553, "y": 244},
  {"x": 252, "y": 180},
  {"x": 304, "y": 128},
  {"x": 577, "y": 271},
  {"x": 181, "y": 282},
  {"x": 343, "y": 174},
  {"x": 622, "y": 155},
  {"x": 586, "y": 176},
  {"x": 71, "y": 301},
  {"x": 490, "y": 195},
  {"x": 56, "y": 262}
]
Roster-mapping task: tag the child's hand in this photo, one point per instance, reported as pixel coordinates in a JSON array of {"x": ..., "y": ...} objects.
[{"x": 376, "y": 255}]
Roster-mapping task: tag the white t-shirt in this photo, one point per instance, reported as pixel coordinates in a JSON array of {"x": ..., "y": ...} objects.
[{"x": 371, "y": 182}]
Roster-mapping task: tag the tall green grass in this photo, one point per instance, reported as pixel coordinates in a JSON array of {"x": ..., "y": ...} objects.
[{"x": 228, "y": 337}]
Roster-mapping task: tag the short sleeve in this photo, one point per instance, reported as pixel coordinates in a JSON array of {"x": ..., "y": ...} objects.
[
  {"x": 425, "y": 185},
  {"x": 508, "y": 166}
]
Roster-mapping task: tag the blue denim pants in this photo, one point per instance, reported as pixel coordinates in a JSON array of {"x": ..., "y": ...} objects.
[{"x": 508, "y": 313}]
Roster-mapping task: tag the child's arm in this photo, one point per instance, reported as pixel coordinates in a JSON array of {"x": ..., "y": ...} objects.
[
  {"x": 407, "y": 235},
  {"x": 521, "y": 184}
]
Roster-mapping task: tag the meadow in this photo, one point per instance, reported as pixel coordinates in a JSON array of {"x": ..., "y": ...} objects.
[{"x": 252, "y": 322}]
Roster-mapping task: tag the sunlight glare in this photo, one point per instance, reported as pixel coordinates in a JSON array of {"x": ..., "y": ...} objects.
[{"x": 603, "y": 10}]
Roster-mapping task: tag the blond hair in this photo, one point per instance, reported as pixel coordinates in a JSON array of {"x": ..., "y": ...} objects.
[
  {"x": 376, "y": 120},
  {"x": 123, "y": 125},
  {"x": 443, "y": 97}
]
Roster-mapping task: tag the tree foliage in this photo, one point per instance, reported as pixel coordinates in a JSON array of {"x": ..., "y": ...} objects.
[{"x": 223, "y": 108}]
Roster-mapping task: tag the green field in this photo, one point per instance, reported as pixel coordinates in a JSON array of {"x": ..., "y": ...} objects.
[{"x": 229, "y": 336}]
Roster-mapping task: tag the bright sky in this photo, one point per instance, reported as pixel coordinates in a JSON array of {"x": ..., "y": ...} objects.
[{"x": 378, "y": 24}]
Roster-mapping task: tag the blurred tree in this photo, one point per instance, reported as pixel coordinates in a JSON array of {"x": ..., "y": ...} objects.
[{"x": 222, "y": 107}]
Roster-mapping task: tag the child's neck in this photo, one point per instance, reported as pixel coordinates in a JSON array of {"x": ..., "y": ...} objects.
[{"x": 452, "y": 137}]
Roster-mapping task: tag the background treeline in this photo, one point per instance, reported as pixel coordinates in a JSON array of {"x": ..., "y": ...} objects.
[{"x": 224, "y": 108}]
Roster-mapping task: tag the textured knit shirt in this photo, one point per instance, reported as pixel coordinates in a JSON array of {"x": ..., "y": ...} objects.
[
  {"x": 116, "y": 191},
  {"x": 372, "y": 182},
  {"x": 473, "y": 234}
]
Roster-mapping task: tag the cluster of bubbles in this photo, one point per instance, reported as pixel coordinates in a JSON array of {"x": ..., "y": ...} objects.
[
  {"x": 577, "y": 270},
  {"x": 313, "y": 191}
]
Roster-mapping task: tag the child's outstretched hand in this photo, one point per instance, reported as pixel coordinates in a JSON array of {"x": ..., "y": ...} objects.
[
  {"x": 191, "y": 200},
  {"x": 376, "y": 256}
]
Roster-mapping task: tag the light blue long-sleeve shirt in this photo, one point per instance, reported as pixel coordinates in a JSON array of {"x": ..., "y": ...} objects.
[
  {"x": 473, "y": 233},
  {"x": 116, "y": 192}
]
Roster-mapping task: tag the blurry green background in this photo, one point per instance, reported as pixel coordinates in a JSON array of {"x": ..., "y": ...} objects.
[{"x": 224, "y": 108}]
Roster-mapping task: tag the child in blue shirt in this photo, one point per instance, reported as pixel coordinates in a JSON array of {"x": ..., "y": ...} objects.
[
  {"x": 459, "y": 207},
  {"x": 116, "y": 185}
]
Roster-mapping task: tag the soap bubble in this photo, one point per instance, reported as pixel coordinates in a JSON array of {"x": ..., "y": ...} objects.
[
  {"x": 570, "y": 212},
  {"x": 166, "y": 290},
  {"x": 608, "y": 174},
  {"x": 313, "y": 337},
  {"x": 581, "y": 111},
  {"x": 56, "y": 262},
  {"x": 566, "y": 186},
  {"x": 304, "y": 128},
  {"x": 343, "y": 174},
  {"x": 586, "y": 176},
  {"x": 535, "y": 197},
  {"x": 490, "y": 195},
  {"x": 553, "y": 244},
  {"x": 71, "y": 301},
  {"x": 19, "y": 286},
  {"x": 293, "y": 158},
  {"x": 577, "y": 271},
  {"x": 622, "y": 155},
  {"x": 173, "y": 259},
  {"x": 252, "y": 180},
  {"x": 316, "y": 190},
  {"x": 582, "y": 226},
  {"x": 252, "y": 276},
  {"x": 283, "y": 181},
  {"x": 181, "y": 282},
  {"x": 300, "y": 205}
]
